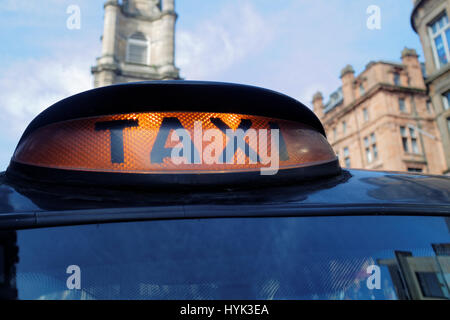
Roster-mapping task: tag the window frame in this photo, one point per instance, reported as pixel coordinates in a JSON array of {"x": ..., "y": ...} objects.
[
  {"x": 369, "y": 158},
  {"x": 404, "y": 109},
  {"x": 347, "y": 160},
  {"x": 426, "y": 286},
  {"x": 445, "y": 100},
  {"x": 373, "y": 143},
  {"x": 397, "y": 80},
  {"x": 365, "y": 114},
  {"x": 408, "y": 135},
  {"x": 138, "y": 42},
  {"x": 413, "y": 138},
  {"x": 442, "y": 33},
  {"x": 404, "y": 139},
  {"x": 371, "y": 150}
]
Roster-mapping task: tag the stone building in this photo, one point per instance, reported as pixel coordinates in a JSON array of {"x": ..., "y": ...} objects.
[
  {"x": 381, "y": 119},
  {"x": 422, "y": 277},
  {"x": 138, "y": 42},
  {"x": 430, "y": 19}
]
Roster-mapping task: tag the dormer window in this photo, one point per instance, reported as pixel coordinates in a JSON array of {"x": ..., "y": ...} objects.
[{"x": 138, "y": 49}]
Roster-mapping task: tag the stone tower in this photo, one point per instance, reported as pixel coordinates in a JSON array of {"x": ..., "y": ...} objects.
[{"x": 137, "y": 42}]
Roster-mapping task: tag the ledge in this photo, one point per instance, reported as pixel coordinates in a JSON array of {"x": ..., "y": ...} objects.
[
  {"x": 437, "y": 74},
  {"x": 374, "y": 89}
]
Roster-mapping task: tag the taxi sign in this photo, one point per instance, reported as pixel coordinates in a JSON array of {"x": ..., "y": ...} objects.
[
  {"x": 148, "y": 143},
  {"x": 184, "y": 142}
]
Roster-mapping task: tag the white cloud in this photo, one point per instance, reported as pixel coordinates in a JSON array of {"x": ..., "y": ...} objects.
[
  {"x": 223, "y": 40},
  {"x": 32, "y": 85},
  {"x": 286, "y": 49},
  {"x": 312, "y": 42}
]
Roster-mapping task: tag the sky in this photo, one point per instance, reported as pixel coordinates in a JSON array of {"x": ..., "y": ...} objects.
[{"x": 297, "y": 47}]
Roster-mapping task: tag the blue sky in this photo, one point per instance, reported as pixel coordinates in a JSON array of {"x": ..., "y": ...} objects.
[{"x": 293, "y": 46}]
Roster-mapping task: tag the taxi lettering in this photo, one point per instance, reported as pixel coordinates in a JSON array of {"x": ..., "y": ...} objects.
[{"x": 253, "y": 143}]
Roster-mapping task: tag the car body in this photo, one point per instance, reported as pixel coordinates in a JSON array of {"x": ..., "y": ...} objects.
[{"x": 349, "y": 234}]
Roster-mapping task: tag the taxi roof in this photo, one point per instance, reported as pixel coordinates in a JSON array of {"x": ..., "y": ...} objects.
[
  {"x": 104, "y": 137},
  {"x": 354, "y": 192},
  {"x": 32, "y": 195},
  {"x": 177, "y": 95}
]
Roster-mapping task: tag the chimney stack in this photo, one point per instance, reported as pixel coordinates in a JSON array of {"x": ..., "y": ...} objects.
[
  {"x": 413, "y": 67},
  {"x": 348, "y": 78},
  {"x": 318, "y": 104}
]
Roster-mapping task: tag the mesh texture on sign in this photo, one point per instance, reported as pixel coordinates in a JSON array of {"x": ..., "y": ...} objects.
[{"x": 77, "y": 145}]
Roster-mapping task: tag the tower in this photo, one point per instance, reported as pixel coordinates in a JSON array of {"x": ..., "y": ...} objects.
[{"x": 137, "y": 42}]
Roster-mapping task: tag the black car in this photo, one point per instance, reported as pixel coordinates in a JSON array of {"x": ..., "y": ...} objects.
[{"x": 201, "y": 190}]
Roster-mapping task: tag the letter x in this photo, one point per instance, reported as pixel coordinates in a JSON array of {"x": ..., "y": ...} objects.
[{"x": 245, "y": 124}]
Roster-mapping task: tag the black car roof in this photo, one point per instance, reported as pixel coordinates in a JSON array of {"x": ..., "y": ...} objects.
[
  {"x": 176, "y": 95},
  {"x": 354, "y": 192}
]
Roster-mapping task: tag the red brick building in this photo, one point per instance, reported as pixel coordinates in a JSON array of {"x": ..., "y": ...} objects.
[{"x": 381, "y": 119}]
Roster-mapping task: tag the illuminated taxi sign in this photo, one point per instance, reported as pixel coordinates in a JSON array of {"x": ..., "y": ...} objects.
[
  {"x": 162, "y": 134},
  {"x": 175, "y": 143}
]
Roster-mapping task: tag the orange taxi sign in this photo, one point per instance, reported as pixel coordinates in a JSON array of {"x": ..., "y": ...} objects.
[{"x": 173, "y": 143}]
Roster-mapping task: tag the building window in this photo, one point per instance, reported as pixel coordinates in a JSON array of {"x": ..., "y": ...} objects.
[
  {"x": 334, "y": 133},
  {"x": 440, "y": 36},
  {"x": 431, "y": 284},
  {"x": 412, "y": 134},
  {"x": 404, "y": 139},
  {"x": 409, "y": 138},
  {"x": 370, "y": 145},
  {"x": 414, "y": 170},
  {"x": 344, "y": 127},
  {"x": 448, "y": 124},
  {"x": 346, "y": 157},
  {"x": 138, "y": 49},
  {"x": 446, "y": 100},
  {"x": 368, "y": 152},
  {"x": 365, "y": 115},
  {"x": 373, "y": 141},
  {"x": 401, "y": 105},
  {"x": 396, "y": 78},
  {"x": 361, "y": 89}
]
